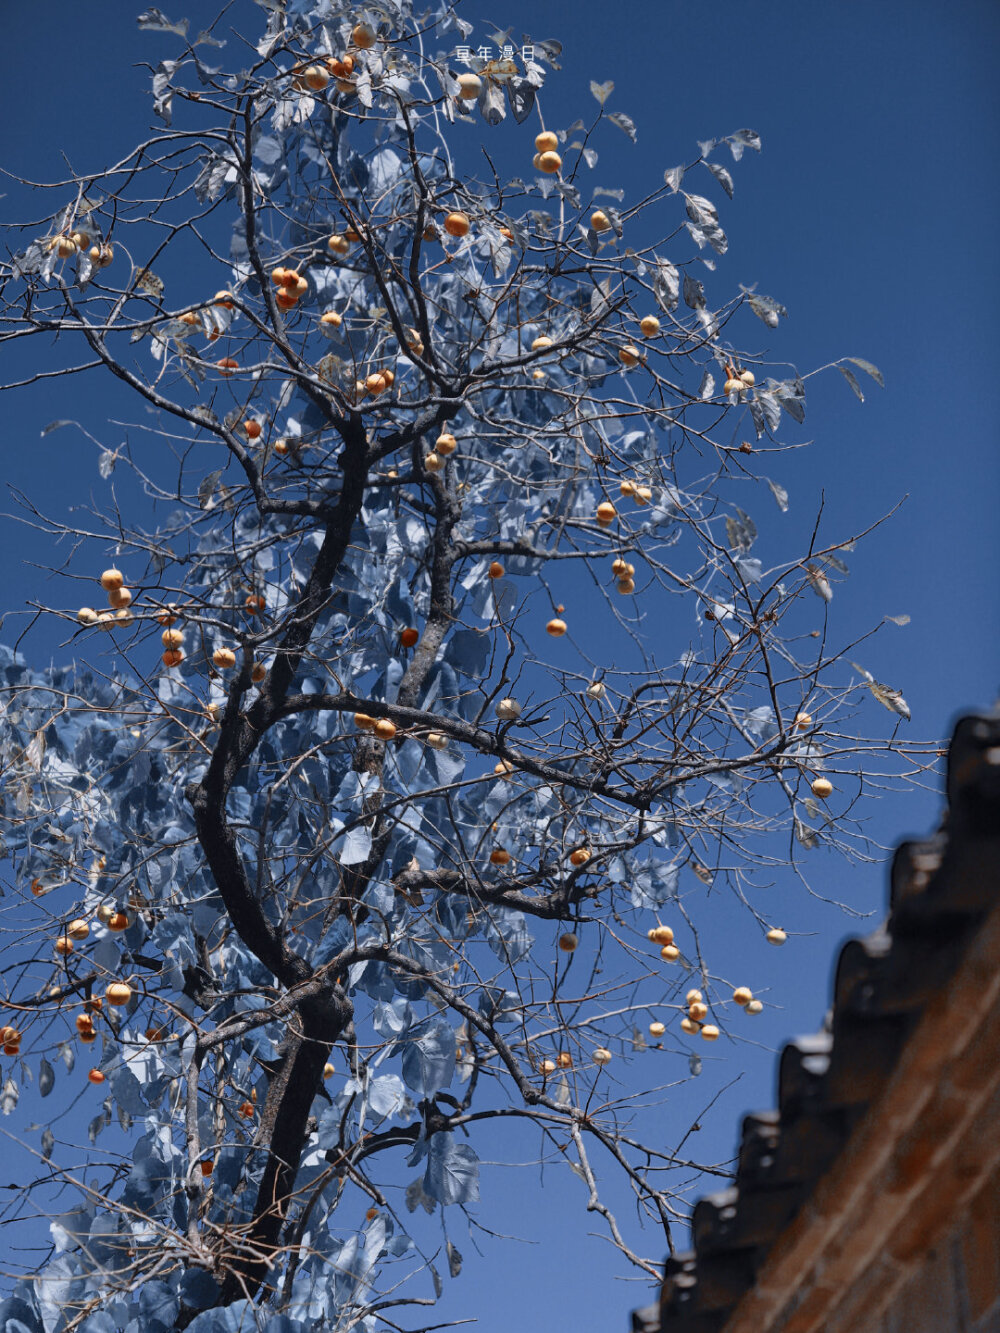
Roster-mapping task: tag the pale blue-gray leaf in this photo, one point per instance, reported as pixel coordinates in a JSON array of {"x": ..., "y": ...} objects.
[
  {"x": 198, "y": 1289},
  {"x": 452, "y": 1172},
  {"x": 429, "y": 1059},
  {"x": 356, "y": 846},
  {"x": 386, "y": 1095},
  {"x": 158, "y": 1303},
  {"x": 46, "y": 1077},
  {"x": 269, "y": 150},
  {"x": 761, "y": 722},
  {"x": 126, "y": 1090}
]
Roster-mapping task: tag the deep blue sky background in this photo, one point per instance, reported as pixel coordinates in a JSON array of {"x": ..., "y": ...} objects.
[{"x": 871, "y": 215}]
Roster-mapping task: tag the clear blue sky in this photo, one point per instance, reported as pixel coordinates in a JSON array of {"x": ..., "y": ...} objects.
[{"x": 871, "y": 216}]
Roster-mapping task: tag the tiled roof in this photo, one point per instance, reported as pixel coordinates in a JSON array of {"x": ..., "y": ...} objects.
[{"x": 942, "y": 890}]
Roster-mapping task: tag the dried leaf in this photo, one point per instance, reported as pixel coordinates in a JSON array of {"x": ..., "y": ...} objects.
[
  {"x": 819, "y": 583},
  {"x": 741, "y": 532},
  {"x": 330, "y": 368},
  {"x": 149, "y": 282},
  {"x": 804, "y": 834},
  {"x": 722, "y": 176},
  {"x": 48, "y": 1143},
  {"x": 869, "y": 369},
  {"x": 666, "y": 285},
  {"x": 9, "y": 1096},
  {"x": 768, "y": 408},
  {"x": 704, "y": 223},
  {"x": 154, "y": 20},
  {"x": 207, "y": 489},
  {"x": 625, "y": 123},
  {"x": 743, "y": 139},
  {"x": 84, "y": 268},
  {"x": 791, "y": 394},
  {"x": 602, "y": 91},
  {"x": 852, "y": 380},
  {"x": 54, "y": 425},
  {"x": 890, "y": 698},
  {"x": 779, "y": 493},
  {"x": 765, "y": 308},
  {"x": 454, "y": 1260},
  {"x": 163, "y": 93},
  {"x": 521, "y": 95},
  {"x": 35, "y": 751},
  {"x": 694, "y": 293},
  {"x": 600, "y": 298},
  {"x": 834, "y": 562},
  {"x": 417, "y": 1198},
  {"x": 898, "y": 620}
]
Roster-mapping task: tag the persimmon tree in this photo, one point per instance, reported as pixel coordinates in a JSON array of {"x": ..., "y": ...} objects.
[{"x": 436, "y": 677}]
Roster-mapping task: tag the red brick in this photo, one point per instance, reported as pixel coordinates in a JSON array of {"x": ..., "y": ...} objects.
[
  {"x": 930, "y": 1302},
  {"x": 980, "y": 1244}
]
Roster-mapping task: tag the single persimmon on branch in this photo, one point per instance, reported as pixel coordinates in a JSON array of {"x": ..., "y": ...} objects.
[{"x": 429, "y": 680}]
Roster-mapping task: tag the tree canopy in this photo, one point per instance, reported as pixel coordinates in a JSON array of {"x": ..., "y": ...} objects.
[{"x": 442, "y": 686}]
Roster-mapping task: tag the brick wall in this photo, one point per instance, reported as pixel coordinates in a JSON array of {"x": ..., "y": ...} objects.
[{"x": 956, "y": 1288}]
